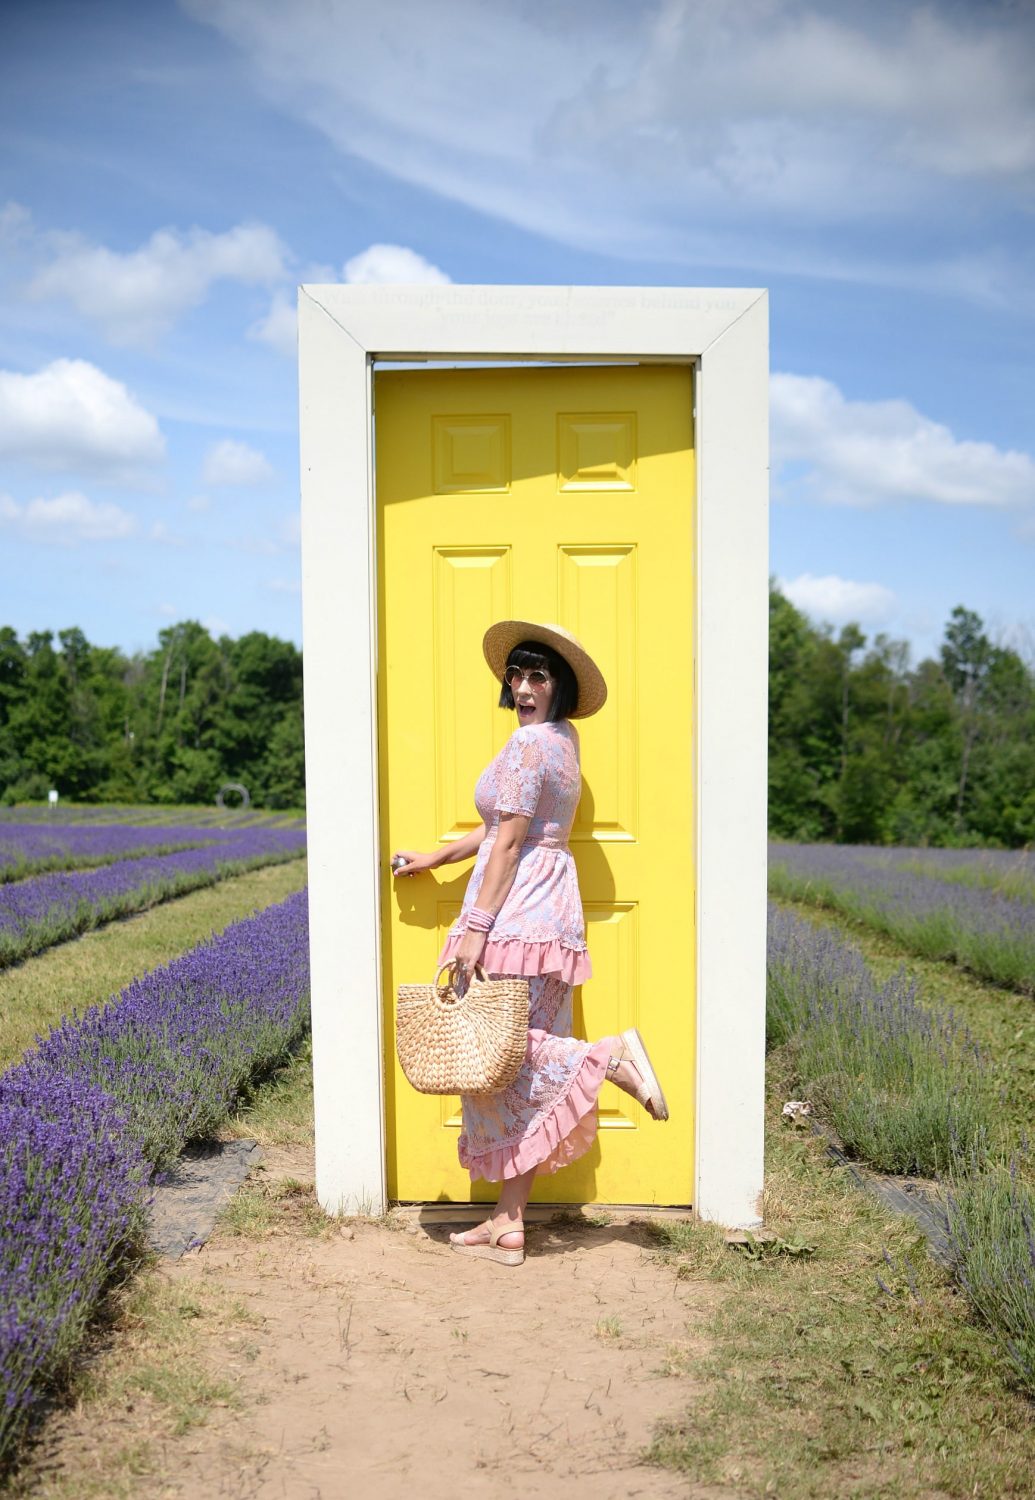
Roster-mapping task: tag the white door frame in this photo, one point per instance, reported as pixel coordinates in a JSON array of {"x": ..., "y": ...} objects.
[{"x": 724, "y": 334}]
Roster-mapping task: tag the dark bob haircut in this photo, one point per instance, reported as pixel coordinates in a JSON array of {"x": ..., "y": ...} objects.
[{"x": 532, "y": 654}]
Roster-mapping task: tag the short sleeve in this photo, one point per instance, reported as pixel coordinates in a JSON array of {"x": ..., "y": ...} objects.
[{"x": 521, "y": 774}]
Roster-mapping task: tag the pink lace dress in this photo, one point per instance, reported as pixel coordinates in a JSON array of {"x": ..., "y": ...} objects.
[{"x": 547, "y": 1117}]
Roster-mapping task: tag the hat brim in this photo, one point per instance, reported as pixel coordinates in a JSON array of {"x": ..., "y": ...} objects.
[{"x": 501, "y": 638}]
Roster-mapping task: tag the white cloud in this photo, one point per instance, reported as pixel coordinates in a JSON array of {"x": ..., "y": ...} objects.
[
  {"x": 15, "y": 223},
  {"x": 376, "y": 264},
  {"x": 677, "y": 127},
  {"x": 234, "y": 463},
  {"x": 840, "y": 600},
  {"x": 160, "y": 532},
  {"x": 870, "y": 452},
  {"x": 199, "y": 504},
  {"x": 216, "y": 625},
  {"x": 70, "y": 415},
  {"x": 284, "y": 585},
  {"x": 391, "y": 263},
  {"x": 279, "y": 327},
  {"x": 67, "y": 519},
  {"x": 137, "y": 295}
]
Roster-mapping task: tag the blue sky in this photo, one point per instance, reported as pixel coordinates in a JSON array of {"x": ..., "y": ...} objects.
[{"x": 170, "y": 172}]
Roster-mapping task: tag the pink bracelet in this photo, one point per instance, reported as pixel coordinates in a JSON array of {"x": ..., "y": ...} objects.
[{"x": 479, "y": 920}]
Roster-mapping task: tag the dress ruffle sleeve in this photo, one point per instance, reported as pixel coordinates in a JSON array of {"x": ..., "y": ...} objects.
[{"x": 521, "y": 774}]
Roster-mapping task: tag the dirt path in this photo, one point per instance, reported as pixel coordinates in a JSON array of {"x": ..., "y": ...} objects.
[
  {"x": 389, "y": 1366},
  {"x": 375, "y": 1362}
]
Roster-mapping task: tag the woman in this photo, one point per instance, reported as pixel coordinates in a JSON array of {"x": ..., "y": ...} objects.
[{"x": 522, "y": 914}]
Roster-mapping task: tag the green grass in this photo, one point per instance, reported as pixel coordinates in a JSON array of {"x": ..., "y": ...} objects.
[
  {"x": 608, "y": 1329},
  {"x": 265, "y": 1207},
  {"x": 149, "y": 1361},
  {"x": 820, "y": 1384},
  {"x": 280, "y": 1111},
  {"x": 37, "y": 994}
]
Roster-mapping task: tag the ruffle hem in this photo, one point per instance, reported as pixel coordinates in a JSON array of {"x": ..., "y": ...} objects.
[
  {"x": 513, "y": 956},
  {"x": 564, "y": 1135}
]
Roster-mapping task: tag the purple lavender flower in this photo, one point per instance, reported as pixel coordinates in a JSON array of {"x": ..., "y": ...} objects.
[
  {"x": 991, "y": 1216},
  {"x": 30, "y": 848},
  {"x": 978, "y": 926},
  {"x": 104, "y": 1099},
  {"x": 36, "y": 913},
  {"x": 904, "y": 1086}
]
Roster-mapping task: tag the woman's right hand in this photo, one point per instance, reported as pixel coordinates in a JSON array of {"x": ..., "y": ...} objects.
[{"x": 415, "y": 864}]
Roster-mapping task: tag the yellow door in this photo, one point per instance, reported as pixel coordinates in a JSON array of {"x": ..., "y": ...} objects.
[{"x": 559, "y": 494}]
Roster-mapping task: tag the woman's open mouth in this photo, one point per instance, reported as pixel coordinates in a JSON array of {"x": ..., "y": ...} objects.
[{"x": 526, "y": 712}]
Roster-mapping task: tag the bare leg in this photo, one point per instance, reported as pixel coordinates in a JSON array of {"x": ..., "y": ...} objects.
[
  {"x": 510, "y": 1210},
  {"x": 515, "y": 1191}
]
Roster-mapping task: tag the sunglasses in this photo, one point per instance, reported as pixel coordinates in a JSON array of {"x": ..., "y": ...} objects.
[{"x": 537, "y": 679}]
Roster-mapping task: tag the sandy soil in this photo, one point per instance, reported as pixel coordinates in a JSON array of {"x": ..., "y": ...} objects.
[{"x": 380, "y": 1363}]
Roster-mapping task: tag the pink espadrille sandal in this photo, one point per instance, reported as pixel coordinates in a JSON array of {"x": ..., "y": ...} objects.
[
  {"x": 650, "y": 1090},
  {"x": 493, "y": 1250}
]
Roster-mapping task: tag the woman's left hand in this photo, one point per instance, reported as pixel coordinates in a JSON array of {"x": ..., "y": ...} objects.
[{"x": 470, "y": 950}]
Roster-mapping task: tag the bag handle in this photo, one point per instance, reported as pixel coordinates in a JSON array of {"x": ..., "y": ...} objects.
[{"x": 451, "y": 969}]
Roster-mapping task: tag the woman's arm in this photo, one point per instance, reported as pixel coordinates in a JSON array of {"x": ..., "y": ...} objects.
[
  {"x": 500, "y": 873},
  {"x": 501, "y": 869},
  {"x": 449, "y": 854}
]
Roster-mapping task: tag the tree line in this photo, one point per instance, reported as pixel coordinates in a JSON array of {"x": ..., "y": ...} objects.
[
  {"x": 171, "y": 725},
  {"x": 866, "y": 748}
]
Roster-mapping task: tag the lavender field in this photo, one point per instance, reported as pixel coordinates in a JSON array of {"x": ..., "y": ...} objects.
[
  {"x": 903, "y": 1086},
  {"x": 906, "y": 1089},
  {"x": 47, "y": 909},
  {"x": 31, "y": 848},
  {"x": 76, "y": 814},
  {"x": 971, "y": 907},
  {"x": 104, "y": 1100},
  {"x": 110, "y": 1096}
]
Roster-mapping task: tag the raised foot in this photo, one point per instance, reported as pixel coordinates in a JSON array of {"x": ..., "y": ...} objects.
[
  {"x": 629, "y": 1079},
  {"x": 631, "y": 1069}
]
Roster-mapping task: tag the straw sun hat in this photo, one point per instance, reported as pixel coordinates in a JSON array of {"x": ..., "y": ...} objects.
[{"x": 501, "y": 638}]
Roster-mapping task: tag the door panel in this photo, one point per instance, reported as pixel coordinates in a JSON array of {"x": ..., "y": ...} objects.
[
  {"x": 469, "y": 584},
  {"x": 597, "y": 593},
  {"x": 551, "y": 494}
]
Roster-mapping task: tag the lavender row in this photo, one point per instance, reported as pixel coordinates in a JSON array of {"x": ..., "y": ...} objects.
[
  {"x": 72, "y": 1188},
  {"x": 980, "y": 928},
  {"x": 73, "y": 814},
  {"x": 1009, "y": 871},
  {"x": 907, "y": 1091},
  {"x": 31, "y": 848},
  {"x": 991, "y": 1216},
  {"x": 35, "y": 914},
  {"x": 105, "y": 1098},
  {"x": 905, "y": 1088},
  {"x": 28, "y": 848}
]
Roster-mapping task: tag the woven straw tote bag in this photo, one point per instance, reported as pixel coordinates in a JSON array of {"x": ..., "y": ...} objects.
[{"x": 469, "y": 1041}]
